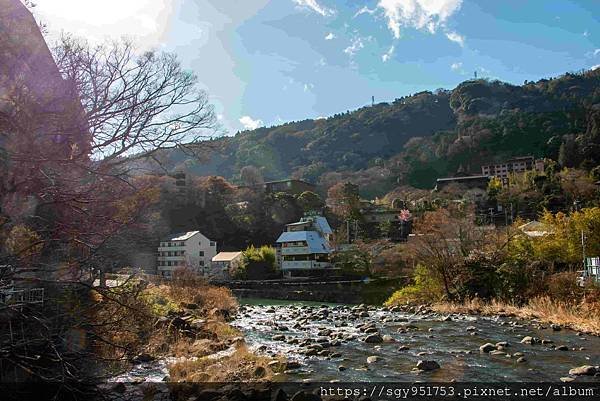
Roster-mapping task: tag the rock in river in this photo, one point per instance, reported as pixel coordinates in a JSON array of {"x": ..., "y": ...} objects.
[
  {"x": 488, "y": 347},
  {"x": 374, "y": 339},
  {"x": 585, "y": 370},
  {"x": 427, "y": 365},
  {"x": 373, "y": 359},
  {"x": 529, "y": 340}
]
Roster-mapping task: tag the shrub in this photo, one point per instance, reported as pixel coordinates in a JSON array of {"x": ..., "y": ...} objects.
[
  {"x": 424, "y": 289},
  {"x": 563, "y": 287},
  {"x": 259, "y": 263}
]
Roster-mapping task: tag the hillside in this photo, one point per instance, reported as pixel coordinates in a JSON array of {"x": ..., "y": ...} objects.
[{"x": 415, "y": 139}]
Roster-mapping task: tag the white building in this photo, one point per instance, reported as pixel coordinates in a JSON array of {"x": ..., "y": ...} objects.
[
  {"x": 191, "y": 249},
  {"x": 222, "y": 264},
  {"x": 304, "y": 247}
]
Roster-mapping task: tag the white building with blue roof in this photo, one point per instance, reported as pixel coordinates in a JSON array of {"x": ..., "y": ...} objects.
[{"x": 304, "y": 248}]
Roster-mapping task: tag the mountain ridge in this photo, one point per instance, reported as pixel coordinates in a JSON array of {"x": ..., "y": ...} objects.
[{"x": 416, "y": 138}]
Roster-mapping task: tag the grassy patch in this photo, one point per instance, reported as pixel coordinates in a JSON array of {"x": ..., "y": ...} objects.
[
  {"x": 581, "y": 316},
  {"x": 241, "y": 365}
]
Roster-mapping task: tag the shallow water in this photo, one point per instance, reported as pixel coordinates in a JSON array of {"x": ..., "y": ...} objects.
[{"x": 448, "y": 343}]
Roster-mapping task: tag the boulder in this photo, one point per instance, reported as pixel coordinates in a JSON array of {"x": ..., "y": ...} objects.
[
  {"x": 487, "y": 347},
  {"x": 293, "y": 365},
  {"x": 373, "y": 359},
  {"x": 427, "y": 365},
  {"x": 373, "y": 339},
  {"x": 562, "y": 348},
  {"x": 585, "y": 370},
  {"x": 143, "y": 358},
  {"x": 119, "y": 388},
  {"x": 529, "y": 340}
]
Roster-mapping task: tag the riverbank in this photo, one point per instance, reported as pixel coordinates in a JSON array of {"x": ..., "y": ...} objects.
[
  {"x": 189, "y": 338},
  {"x": 330, "y": 290},
  {"x": 582, "y": 317}
]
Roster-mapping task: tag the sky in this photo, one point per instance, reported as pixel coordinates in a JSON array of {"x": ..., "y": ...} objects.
[{"x": 266, "y": 62}]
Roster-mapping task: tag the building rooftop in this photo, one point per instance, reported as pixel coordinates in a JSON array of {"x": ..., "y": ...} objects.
[
  {"x": 226, "y": 256},
  {"x": 536, "y": 229},
  {"x": 316, "y": 243},
  {"x": 288, "y": 180},
  {"x": 181, "y": 236},
  {"x": 468, "y": 177},
  {"x": 320, "y": 221}
]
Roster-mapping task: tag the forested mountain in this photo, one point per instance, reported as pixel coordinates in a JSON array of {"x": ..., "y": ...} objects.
[{"x": 417, "y": 138}]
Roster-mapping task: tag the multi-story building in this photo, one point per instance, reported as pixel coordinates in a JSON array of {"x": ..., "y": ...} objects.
[
  {"x": 191, "y": 249},
  {"x": 469, "y": 182},
  {"x": 304, "y": 247},
  {"x": 515, "y": 165}
]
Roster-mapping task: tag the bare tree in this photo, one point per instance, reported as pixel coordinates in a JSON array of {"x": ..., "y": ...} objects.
[{"x": 134, "y": 104}]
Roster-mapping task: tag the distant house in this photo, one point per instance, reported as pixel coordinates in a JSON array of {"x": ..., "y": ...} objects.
[
  {"x": 190, "y": 249},
  {"x": 515, "y": 165},
  {"x": 304, "y": 248},
  {"x": 376, "y": 214},
  {"x": 290, "y": 186},
  {"x": 469, "y": 181},
  {"x": 535, "y": 229},
  {"x": 223, "y": 262}
]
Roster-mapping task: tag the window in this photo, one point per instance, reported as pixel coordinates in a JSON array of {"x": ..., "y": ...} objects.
[
  {"x": 200, "y": 243},
  {"x": 213, "y": 243},
  {"x": 201, "y": 263},
  {"x": 201, "y": 253}
]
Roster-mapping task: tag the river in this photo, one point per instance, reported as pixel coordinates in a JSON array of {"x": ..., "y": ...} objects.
[{"x": 292, "y": 329}]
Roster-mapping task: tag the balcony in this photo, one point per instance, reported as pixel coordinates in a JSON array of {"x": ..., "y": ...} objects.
[
  {"x": 167, "y": 258},
  {"x": 304, "y": 265},
  {"x": 295, "y": 250}
]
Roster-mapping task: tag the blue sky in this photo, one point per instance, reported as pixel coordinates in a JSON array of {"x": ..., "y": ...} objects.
[{"x": 267, "y": 62}]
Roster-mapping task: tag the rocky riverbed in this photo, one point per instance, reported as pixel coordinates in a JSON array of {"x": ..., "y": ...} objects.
[{"x": 362, "y": 343}]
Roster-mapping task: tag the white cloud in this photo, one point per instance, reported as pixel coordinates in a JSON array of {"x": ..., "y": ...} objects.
[
  {"x": 364, "y": 10},
  {"x": 456, "y": 66},
  {"x": 356, "y": 45},
  {"x": 308, "y": 87},
  {"x": 595, "y": 67},
  {"x": 387, "y": 55},
  {"x": 596, "y": 52},
  {"x": 455, "y": 37},
  {"x": 419, "y": 14},
  {"x": 250, "y": 123},
  {"x": 330, "y": 36},
  {"x": 316, "y": 7},
  {"x": 586, "y": 33},
  {"x": 144, "y": 20}
]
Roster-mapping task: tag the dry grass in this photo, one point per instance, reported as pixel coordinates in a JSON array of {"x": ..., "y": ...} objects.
[
  {"x": 581, "y": 316},
  {"x": 241, "y": 365}
]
